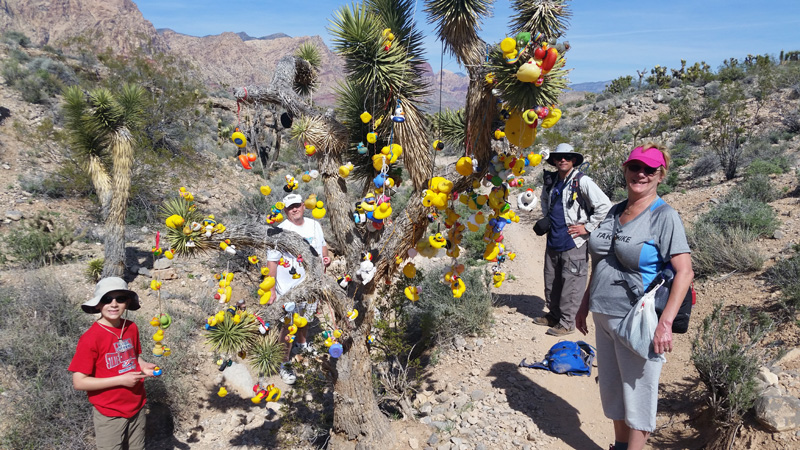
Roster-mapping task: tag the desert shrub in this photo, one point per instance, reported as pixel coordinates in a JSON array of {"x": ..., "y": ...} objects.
[
  {"x": 717, "y": 251},
  {"x": 727, "y": 358},
  {"x": 669, "y": 183},
  {"x": 756, "y": 187},
  {"x": 764, "y": 167},
  {"x": 40, "y": 241},
  {"x": 705, "y": 165},
  {"x": 12, "y": 70},
  {"x": 94, "y": 269},
  {"x": 785, "y": 275},
  {"x": 39, "y": 352},
  {"x": 689, "y": 136},
  {"x": 442, "y": 317},
  {"x": 620, "y": 85},
  {"x": 753, "y": 216},
  {"x": 19, "y": 38}
]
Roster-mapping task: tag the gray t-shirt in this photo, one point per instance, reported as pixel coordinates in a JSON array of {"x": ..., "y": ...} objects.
[{"x": 627, "y": 258}]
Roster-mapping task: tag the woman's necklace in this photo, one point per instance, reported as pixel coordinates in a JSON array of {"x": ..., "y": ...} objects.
[{"x": 119, "y": 338}]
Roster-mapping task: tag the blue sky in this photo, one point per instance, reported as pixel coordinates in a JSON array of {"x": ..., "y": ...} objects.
[{"x": 609, "y": 38}]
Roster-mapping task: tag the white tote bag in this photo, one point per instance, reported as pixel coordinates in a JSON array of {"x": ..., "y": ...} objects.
[{"x": 638, "y": 327}]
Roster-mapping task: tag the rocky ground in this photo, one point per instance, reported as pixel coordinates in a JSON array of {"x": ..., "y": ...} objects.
[{"x": 475, "y": 396}]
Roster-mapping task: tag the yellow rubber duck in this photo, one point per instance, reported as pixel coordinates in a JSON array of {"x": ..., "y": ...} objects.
[
  {"x": 299, "y": 321},
  {"x": 383, "y": 211},
  {"x": 158, "y": 349},
  {"x": 498, "y": 279},
  {"x": 169, "y": 254},
  {"x": 175, "y": 221},
  {"x": 437, "y": 240},
  {"x": 264, "y": 299},
  {"x": 265, "y": 271},
  {"x": 253, "y": 259},
  {"x": 499, "y": 134},
  {"x": 311, "y": 201},
  {"x": 310, "y": 150},
  {"x": 222, "y": 392},
  {"x": 319, "y": 210},
  {"x": 155, "y": 285},
  {"x": 155, "y": 322},
  {"x": 267, "y": 284},
  {"x": 412, "y": 292},
  {"x": 458, "y": 287},
  {"x": 344, "y": 171},
  {"x": 464, "y": 166},
  {"x": 239, "y": 138},
  {"x": 273, "y": 393},
  {"x": 352, "y": 314},
  {"x": 372, "y": 137},
  {"x": 265, "y": 190},
  {"x": 292, "y": 329},
  {"x": 159, "y": 335}
]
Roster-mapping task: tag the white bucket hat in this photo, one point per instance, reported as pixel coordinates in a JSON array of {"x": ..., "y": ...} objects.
[
  {"x": 565, "y": 149},
  {"x": 107, "y": 286}
]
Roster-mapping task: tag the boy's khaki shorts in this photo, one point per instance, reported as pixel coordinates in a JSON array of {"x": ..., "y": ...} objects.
[{"x": 112, "y": 433}]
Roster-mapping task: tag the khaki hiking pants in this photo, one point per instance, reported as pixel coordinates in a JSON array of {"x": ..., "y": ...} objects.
[{"x": 565, "y": 276}]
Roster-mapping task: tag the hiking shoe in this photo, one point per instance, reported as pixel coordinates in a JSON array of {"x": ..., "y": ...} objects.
[
  {"x": 545, "y": 321},
  {"x": 559, "y": 330},
  {"x": 287, "y": 374}
]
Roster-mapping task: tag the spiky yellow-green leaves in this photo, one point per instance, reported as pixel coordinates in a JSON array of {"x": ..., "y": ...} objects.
[
  {"x": 230, "y": 338},
  {"x": 549, "y": 17},
  {"x": 182, "y": 239},
  {"x": 522, "y": 96},
  {"x": 267, "y": 354}
]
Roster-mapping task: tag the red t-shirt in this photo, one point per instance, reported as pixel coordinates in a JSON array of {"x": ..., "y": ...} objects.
[{"x": 100, "y": 354}]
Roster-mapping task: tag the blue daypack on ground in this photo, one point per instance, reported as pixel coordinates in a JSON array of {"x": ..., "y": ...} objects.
[{"x": 571, "y": 358}]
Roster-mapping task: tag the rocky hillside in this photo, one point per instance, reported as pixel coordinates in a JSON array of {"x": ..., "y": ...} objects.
[{"x": 222, "y": 61}]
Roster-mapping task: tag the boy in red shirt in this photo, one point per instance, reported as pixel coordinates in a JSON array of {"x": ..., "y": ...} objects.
[{"x": 107, "y": 364}]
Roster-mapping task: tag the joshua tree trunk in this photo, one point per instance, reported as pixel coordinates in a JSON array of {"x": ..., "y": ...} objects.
[{"x": 122, "y": 156}]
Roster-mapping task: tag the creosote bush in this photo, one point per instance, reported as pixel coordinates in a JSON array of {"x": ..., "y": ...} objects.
[
  {"x": 40, "y": 241},
  {"x": 726, "y": 356}
]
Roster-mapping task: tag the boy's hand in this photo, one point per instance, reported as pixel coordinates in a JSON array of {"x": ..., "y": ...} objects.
[
  {"x": 147, "y": 368},
  {"x": 131, "y": 378}
]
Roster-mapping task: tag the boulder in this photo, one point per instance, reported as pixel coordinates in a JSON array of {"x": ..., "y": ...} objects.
[{"x": 778, "y": 413}]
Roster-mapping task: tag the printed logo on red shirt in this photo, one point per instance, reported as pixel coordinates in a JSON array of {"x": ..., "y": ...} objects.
[{"x": 124, "y": 357}]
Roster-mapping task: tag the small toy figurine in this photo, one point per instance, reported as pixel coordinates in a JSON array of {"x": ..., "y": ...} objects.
[
  {"x": 399, "y": 116},
  {"x": 157, "y": 371},
  {"x": 222, "y": 392}
]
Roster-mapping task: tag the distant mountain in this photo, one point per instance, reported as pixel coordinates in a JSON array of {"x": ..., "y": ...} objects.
[
  {"x": 247, "y": 37},
  {"x": 592, "y": 86}
]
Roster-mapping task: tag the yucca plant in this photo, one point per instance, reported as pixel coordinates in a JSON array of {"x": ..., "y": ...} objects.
[
  {"x": 94, "y": 270},
  {"x": 309, "y": 52},
  {"x": 450, "y": 126},
  {"x": 179, "y": 239},
  {"x": 522, "y": 96},
  {"x": 549, "y": 17},
  {"x": 100, "y": 126},
  {"x": 266, "y": 354},
  {"x": 230, "y": 338},
  {"x": 457, "y": 22}
]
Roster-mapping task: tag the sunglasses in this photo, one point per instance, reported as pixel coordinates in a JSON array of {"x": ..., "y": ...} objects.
[
  {"x": 649, "y": 171},
  {"x": 560, "y": 157},
  {"x": 120, "y": 299}
]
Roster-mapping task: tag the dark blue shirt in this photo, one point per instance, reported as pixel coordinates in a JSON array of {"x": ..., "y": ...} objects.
[{"x": 558, "y": 238}]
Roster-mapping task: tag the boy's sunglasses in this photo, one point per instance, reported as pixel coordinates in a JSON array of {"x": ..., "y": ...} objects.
[
  {"x": 120, "y": 299},
  {"x": 649, "y": 171}
]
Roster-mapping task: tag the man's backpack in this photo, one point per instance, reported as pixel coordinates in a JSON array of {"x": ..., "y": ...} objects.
[{"x": 571, "y": 358}]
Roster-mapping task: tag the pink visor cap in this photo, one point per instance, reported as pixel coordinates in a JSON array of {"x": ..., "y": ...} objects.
[{"x": 651, "y": 157}]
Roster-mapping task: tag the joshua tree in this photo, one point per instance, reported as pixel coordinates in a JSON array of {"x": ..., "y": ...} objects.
[
  {"x": 99, "y": 126},
  {"x": 382, "y": 50}
]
